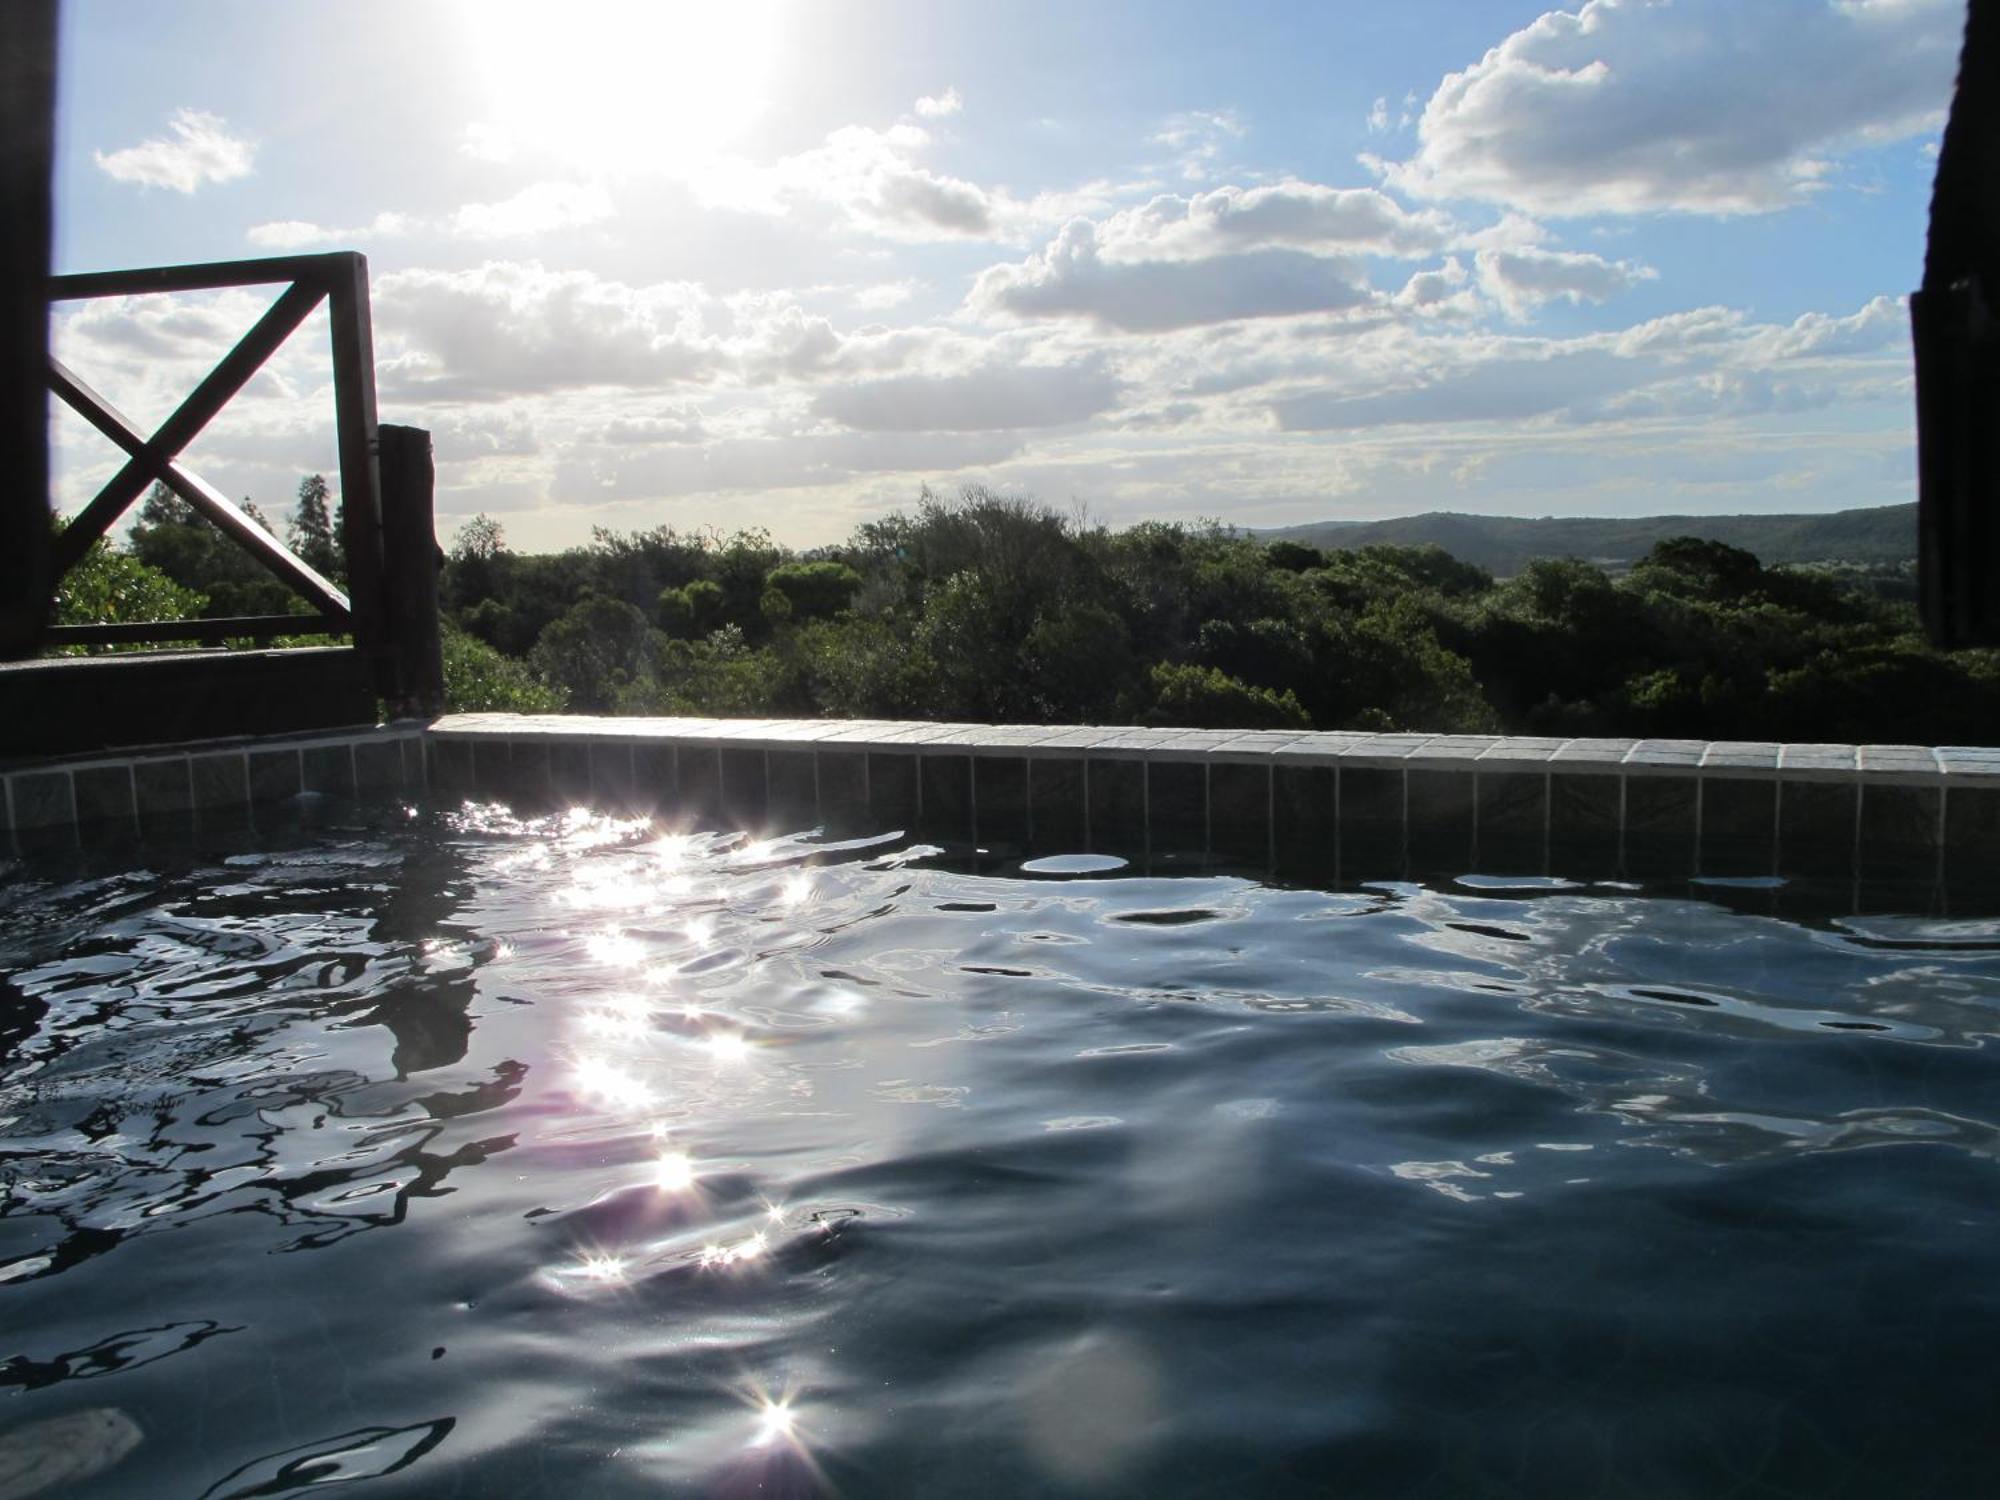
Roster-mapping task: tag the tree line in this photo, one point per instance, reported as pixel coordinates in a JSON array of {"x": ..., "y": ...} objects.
[{"x": 984, "y": 607}]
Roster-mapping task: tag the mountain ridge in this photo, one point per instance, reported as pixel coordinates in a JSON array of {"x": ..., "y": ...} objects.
[{"x": 1880, "y": 535}]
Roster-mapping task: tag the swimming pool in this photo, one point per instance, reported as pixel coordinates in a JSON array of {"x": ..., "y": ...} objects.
[{"x": 490, "y": 1157}]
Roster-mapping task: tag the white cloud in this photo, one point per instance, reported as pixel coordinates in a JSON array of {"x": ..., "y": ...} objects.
[
  {"x": 1294, "y": 214},
  {"x": 505, "y": 328},
  {"x": 1522, "y": 280},
  {"x": 1710, "y": 106},
  {"x": 198, "y": 149},
  {"x": 937, "y": 106},
  {"x": 1378, "y": 117},
  {"x": 997, "y": 397},
  {"x": 1071, "y": 279}
]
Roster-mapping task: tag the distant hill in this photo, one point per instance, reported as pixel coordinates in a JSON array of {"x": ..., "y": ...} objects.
[{"x": 1883, "y": 534}]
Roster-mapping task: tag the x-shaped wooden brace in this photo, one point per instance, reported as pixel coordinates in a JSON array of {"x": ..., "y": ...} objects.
[{"x": 157, "y": 458}]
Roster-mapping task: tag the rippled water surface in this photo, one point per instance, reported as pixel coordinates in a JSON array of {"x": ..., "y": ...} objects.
[{"x": 486, "y": 1159}]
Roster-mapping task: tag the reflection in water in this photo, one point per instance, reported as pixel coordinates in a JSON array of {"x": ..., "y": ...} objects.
[
  {"x": 366, "y": 1453},
  {"x": 637, "y": 1164}
]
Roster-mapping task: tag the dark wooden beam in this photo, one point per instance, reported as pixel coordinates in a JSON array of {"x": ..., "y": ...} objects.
[
  {"x": 324, "y": 271},
  {"x": 27, "y": 152},
  {"x": 410, "y": 563},
  {"x": 1957, "y": 347},
  {"x": 354, "y": 422}
]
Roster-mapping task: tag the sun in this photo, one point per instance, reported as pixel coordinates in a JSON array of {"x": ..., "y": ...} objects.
[{"x": 617, "y": 85}]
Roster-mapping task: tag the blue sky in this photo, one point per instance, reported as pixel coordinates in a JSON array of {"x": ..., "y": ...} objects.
[{"x": 784, "y": 264}]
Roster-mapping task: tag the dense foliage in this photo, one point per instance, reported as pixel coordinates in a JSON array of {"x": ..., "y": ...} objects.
[{"x": 996, "y": 609}]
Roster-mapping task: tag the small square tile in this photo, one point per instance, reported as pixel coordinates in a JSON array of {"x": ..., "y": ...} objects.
[
  {"x": 1176, "y": 807},
  {"x": 1739, "y": 826},
  {"x": 1586, "y": 812},
  {"x": 793, "y": 780},
  {"x": 1513, "y": 805},
  {"x": 1901, "y": 826},
  {"x": 1239, "y": 814},
  {"x": 221, "y": 780},
  {"x": 453, "y": 776},
  {"x": 1660, "y": 824},
  {"x": 492, "y": 769},
  {"x": 1116, "y": 795},
  {"x": 104, "y": 800},
  {"x": 745, "y": 789},
  {"x": 1306, "y": 820},
  {"x": 569, "y": 773},
  {"x": 892, "y": 790},
  {"x": 530, "y": 791},
  {"x": 274, "y": 775},
  {"x": 1000, "y": 802},
  {"x": 613, "y": 782},
  {"x": 1972, "y": 835},
  {"x": 1816, "y": 827},
  {"x": 42, "y": 799},
  {"x": 328, "y": 769},
  {"x": 944, "y": 797},
  {"x": 843, "y": 790},
  {"x": 1440, "y": 818},
  {"x": 378, "y": 767},
  {"x": 1371, "y": 801},
  {"x": 166, "y": 798},
  {"x": 699, "y": 805},
  {"x": 1056, "y": 820}
]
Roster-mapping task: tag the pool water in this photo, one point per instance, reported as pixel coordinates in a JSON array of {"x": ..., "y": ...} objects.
[{"x": 487, "y": 1158}]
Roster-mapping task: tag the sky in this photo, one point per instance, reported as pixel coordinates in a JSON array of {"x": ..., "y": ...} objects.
[{"x": 783, "y": 265}]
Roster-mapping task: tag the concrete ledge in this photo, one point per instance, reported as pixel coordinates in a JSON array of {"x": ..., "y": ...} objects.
[{"x": 1273, "y": 800}]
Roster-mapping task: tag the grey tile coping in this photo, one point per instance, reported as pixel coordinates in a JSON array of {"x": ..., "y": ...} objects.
[{"x": 1291, "y": 799}]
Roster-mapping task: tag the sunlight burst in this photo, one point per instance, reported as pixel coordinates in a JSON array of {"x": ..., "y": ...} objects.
[{"x": 617, "y": 85}]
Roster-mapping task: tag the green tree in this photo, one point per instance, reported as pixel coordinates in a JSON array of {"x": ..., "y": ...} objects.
[
  {"x": 310, "y": 534},
  {"x": 108, "y": 587},
  {"x": 478, "y": 679}
]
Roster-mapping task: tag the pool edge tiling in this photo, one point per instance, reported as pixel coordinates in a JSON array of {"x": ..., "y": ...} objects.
[
  {"x": 1279, "y": 800},
  {"x": 1276, "y": 800}
]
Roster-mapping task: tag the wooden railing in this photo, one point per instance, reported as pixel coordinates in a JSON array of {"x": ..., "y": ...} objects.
[
  {"x": 387, "y": 539},
  {"x": 341, "y": 281}
]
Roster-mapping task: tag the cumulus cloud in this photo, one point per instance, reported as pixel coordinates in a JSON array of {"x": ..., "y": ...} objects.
[
  {"x": 1378, "y": 117},
  {"x": 197, "y": 148},
  {"x": 937, "y": 106},
  {"x": 508, "y": 328},
  {"x": 997, "y": 397},
  {"x": 1710, "y": 106},
  {"x": 1071, "y": 279},
  {"x": 1294, "y": 214},
  {"x": 1522, "y": 280}
]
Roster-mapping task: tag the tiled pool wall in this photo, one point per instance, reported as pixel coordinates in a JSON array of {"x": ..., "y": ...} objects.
[
  {"x": 171, "y": 793},
  {"x": 1347, "y": 804},
  {"x": 1342, "y": 804}
]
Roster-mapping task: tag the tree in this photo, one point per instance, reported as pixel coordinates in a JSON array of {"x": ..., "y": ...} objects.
[{"x": 311, "y": 532}]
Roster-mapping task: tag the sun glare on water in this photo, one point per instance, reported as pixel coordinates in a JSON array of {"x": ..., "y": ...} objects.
[{"x": 617, "y": 85}]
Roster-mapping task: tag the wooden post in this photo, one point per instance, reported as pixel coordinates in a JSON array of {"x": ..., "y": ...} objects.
[
  {"x": 27, "y": 151},
  {"x": 1956, "y": 338},
  {"x": 354, "y": 421},
  {"x": 414, "y": 681}
]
